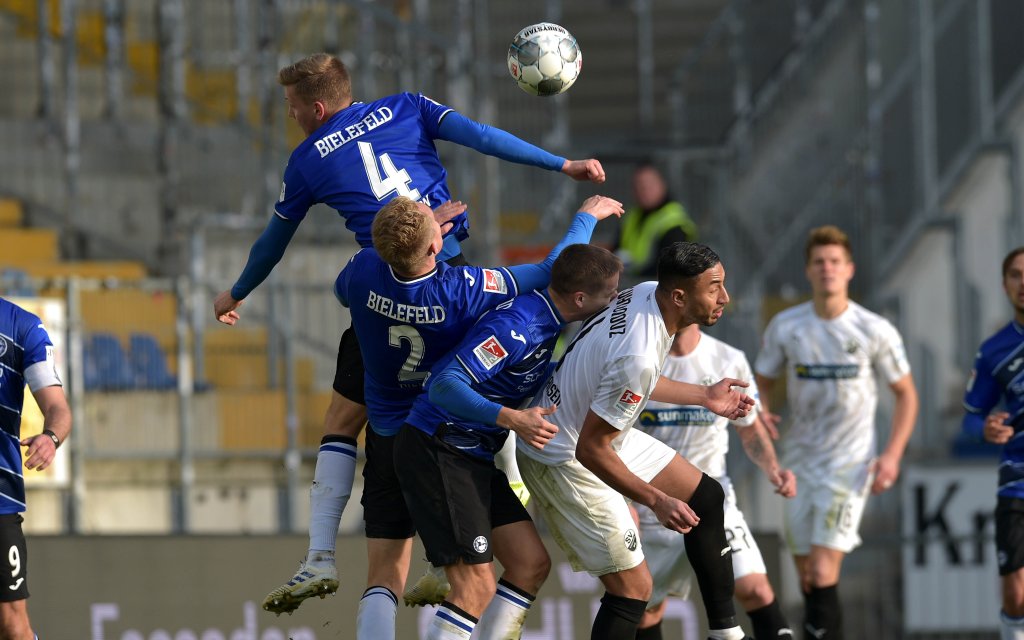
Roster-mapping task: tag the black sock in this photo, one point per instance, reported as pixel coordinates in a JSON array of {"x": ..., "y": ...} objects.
[
  {"x": 823, "y": 619},
  {"x": 768, "y": 622},
  {"x": 617, "y": 618},
  {"x": 710, "y": 555},
  {"x": 649, "y": 633}
]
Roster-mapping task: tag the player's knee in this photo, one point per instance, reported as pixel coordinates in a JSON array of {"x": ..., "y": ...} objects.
[
  {"x": 754, "y": 591},
  {"x": 818, "y": 575},
  {"x": 708, "y": 499},
  {"x": 1013, "y": 598}
]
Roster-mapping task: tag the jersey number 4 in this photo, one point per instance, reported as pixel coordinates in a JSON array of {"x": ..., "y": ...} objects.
[{"x": 392, "y": 180}]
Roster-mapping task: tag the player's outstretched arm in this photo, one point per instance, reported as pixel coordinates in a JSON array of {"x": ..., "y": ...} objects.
[
  {"x": 266, "y": 252},
  {"x": 721, "y": 397},
  {"x": 584, "y": 170}
]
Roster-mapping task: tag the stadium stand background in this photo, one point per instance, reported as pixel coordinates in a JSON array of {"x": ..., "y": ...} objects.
[{"x": 141, "y": 144}]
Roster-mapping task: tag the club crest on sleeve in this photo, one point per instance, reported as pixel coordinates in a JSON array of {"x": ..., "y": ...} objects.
[
  {"x": 494, "y": 281},
  {"x": 490, "y": 352}
]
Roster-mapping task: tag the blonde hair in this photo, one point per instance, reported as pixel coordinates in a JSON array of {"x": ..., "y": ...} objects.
[
  {"x": 401, "y": 234},
  {"x": 320, "y": 77},
  {"x": 827, "y": 235}
]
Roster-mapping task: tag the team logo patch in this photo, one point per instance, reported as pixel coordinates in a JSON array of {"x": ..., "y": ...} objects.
[
  {"x": 628, "y": 402},
  {"x": 630, "y": 540},
  {"x": 3, "y": 346},
  {"x": 281, "y": 197},
  {"x": 707, "y": 381},
  {"x": 480, "y": 544},
  {"x": 851, "y": 346},
  {"x": 490, "y": 352},
  {"x": 494, "y": 282}
]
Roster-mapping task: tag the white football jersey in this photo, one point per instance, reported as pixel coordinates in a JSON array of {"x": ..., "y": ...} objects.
[
  {"x": 832, "y": 392},
  {"x": 610, "y": 367},
  {"x": 698, "y": 434}
]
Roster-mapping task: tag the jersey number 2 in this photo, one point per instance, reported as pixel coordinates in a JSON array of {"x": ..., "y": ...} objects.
[
  {"x": 404, "y": 333},
  {"x": 393, "y": 180}
]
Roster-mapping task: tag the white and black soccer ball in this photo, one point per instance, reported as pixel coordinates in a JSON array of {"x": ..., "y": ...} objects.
[{"x": 544, "y": 59}]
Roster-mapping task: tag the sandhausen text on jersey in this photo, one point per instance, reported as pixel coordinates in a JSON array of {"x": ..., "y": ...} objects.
[
  {"x": 337, "y": 139},
  {"x": 617, "y": 323},
  {"x": 826, "y": 371},
  {"x": 404, "y": 312}
]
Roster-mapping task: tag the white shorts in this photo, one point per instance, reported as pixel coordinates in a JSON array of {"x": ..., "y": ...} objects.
[
  {"x": 827, "y": 510},
  {"x": 589, "y": 520},
  {"x": 666, "y": 552}
]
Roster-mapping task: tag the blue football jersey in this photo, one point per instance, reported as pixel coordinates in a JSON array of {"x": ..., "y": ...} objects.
[
  {"x": 998, "y": 378},
  {"x": 26, "y": 356},
  {"x": 365, "y": 155},
  {"x": 507, "y": 354},
  {"x": 405, "y": 326}
]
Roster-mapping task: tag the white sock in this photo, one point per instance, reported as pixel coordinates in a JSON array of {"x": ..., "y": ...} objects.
[
  {"x": 332, "y": 486},
  {"x": 376, "y": 617},
  {"x": 1010, "y": 628},
  {"x": 450, "y": 623},
  {"x": 506, "y": 459},
  {"x": 732, "y": 633},
  {"x": 504, "y": 616}
]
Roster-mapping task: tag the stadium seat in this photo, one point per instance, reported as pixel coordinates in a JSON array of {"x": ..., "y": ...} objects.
[
  {"x": 106, "y": 364},
  {"x": 149, "y": 365}
]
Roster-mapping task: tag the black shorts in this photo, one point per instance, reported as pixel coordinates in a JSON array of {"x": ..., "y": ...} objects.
[
  {"x": 14, "y": 574},
  {"x": 384, "y": 512},
  {"x": 1009, "y": 535},
  {"x": 348, "y": 374},
  {"x": 455, "y": 499}
]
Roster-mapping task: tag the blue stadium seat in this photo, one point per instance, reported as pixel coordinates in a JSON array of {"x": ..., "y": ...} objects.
[
  {"x": 106, "y": 364},
  {"x": 149, "y": 364}
]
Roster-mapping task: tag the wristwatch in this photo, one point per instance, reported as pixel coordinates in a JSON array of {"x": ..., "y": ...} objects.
[{"x": 53, "y": 436}]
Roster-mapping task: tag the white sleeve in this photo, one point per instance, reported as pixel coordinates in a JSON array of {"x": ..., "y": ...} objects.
[
  {"x": 771, "y": 358},
  {"x": 625, "y": 388},
  {"x": 890, "y": 357}
]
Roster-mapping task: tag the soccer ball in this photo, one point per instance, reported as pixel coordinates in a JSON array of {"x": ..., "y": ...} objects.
[{"x": 544, "y": 59}]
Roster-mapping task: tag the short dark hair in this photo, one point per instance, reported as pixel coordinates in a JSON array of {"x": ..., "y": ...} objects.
[
  {"x": 825, "y": 236},
  {"x": 1010, "y": 258},
  {"x": 320, "y": 77},
  {"x": 583, "y": 267},
  {"x": 682, "y": 261}
]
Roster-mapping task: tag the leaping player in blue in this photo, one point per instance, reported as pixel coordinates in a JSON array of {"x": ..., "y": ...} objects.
[
  {"x": 999, "y": 374},
  {"x": 502, "y": 362},
  {"x": 408, "y": 310},
  {"x": 357, "y": 156}
]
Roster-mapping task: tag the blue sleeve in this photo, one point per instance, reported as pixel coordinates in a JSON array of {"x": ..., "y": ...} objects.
[
  {"x": 974, "y": 425},
  {"x": 538, "y": 276},
  {"x": 981, "y": 397},
  {"x": 452, "y": 390},
  {"x": 266, "y": 252},
  {"x": 492, "y": 141}
]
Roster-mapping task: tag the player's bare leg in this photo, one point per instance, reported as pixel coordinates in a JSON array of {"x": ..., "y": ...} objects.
[
  {"x": 328, "y": 496},
  {"x": 14, "y": 622},
  {"x": 388, "y": 565},
  {"x": 1011, "y": 618},
  {"x": 473, "y": 587},
  {"x": 519, "y": 549},
  {"x": 819, "y": 580}
]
